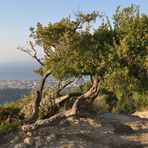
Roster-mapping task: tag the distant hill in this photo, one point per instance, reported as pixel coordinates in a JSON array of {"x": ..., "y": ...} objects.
[{"x": 12, "y": 94}]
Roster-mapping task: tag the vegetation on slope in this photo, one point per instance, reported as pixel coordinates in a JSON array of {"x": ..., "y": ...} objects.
[
  {"x": 113, "y": 56},
  {"x": 12, "y": 94}
]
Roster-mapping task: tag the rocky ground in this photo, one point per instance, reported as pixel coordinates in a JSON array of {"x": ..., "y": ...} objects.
[{"x": 107, "y": 130}]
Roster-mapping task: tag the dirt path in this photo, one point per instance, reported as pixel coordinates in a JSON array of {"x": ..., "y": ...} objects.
[{"x": 100, "y": 131}]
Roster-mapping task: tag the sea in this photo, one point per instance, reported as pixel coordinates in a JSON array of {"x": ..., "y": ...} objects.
[{"x": 18, "y": 71}]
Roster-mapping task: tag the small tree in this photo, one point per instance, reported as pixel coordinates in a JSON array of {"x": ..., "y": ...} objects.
[{"x": 113, "y": 56}]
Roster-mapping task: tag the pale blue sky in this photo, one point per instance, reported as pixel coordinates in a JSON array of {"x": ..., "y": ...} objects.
[{"x": 16, "y": 17}]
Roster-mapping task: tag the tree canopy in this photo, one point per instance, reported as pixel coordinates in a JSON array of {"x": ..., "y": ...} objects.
[{"x": 114, "y": 52}]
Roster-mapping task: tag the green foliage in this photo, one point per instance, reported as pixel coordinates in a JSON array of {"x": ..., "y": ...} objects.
[
  {"x": 132, "y": 33},
  {"x": 9, "y": 118},
  {"x": 109, "y": 98},
  {"x": 108, "y": 101},
  {"x": 135, "y": 102},
  {"x": 8, "y": 111},
  {"x": 47, "y": 111},
  {"x": 7, "y": 127},
  {"x": 100, "y": 105},
  {"x": 16, "y": 109},
  {"x": 12, "y": 114},
  {"x": 47, "y": 107},
  {"x": 116, "y": 53},
  {"x": 83, "y": 88},
  {"x": 26, "y": 104},
  {"x": 129, "y": 105}
]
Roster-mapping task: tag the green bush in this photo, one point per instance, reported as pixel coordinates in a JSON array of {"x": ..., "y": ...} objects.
[
  {"x": 47, "y": 108},
  {"x": 135, "y": 102},
  {"x": 9, "y": 110},
  {"x": 7, "y": 127},
  {"x": 100, "y": 105},
  {"x": 9, "y": 118},
  {"x": 26, "y": 104},
  {"x": 116, "y": 101},
  {"x": 128, "y": 103}
]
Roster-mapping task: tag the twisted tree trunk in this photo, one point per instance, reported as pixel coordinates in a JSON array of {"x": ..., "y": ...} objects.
[
  {"x": 91, "y": 94},
  {"x": 72, "y": 112},
  {"x": 54, "y": 119},
  {"x": 61, "y": 99},
  {"x": 38, "y": 98}
]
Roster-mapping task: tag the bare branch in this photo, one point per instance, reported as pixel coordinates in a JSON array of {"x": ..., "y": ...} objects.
[
  {"x": 32, "y": 52},
  {"x": 35, "y": 54},
  {"x": 61, "y": 88}
]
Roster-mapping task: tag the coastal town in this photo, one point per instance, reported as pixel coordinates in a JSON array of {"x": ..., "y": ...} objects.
[
  {"x": 31, "y": 84},
  {"x": 18, "y": 84},
  {"x": 11, "y": 90}
]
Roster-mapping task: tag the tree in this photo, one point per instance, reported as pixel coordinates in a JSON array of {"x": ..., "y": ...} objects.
[
  {"x": 131, "y": 48},
  {"x": 113, "y": 56}
]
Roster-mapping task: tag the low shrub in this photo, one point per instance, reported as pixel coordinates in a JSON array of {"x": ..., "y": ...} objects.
[
  {"x": 8, "y": 126},
  {"x": 100, "y": 105},
  {"x": 9, "y": 118},
  {"x": 9, "y": 110},
  {"x": 135, "y": 102},
  {"x": 47, "y": 108}
]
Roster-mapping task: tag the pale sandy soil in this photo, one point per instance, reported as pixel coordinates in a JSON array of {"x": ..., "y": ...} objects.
[
  {"x": 141, "y": 114},
  {"x": 107, "y": 130}
]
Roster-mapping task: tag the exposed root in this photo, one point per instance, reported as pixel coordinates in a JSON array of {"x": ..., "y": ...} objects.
[
  {"x": 72, "y": 112},
  {"x": 57, "y": 101},
  {"x": 54, "y": 119}
]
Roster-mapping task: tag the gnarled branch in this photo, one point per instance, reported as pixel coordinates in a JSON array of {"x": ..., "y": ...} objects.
[
  {"x": 32, "y": 52},
  {"x": 62, "y": 87},
  {"x": 59, "y": 100}
]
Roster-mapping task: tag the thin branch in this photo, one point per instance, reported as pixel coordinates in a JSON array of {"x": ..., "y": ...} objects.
[
  {"x": 61, "y": 88},
  {"x": 66, "y": 84},
  {"x": 35, "y": 54},
  {"x": 29, "y": 52}
]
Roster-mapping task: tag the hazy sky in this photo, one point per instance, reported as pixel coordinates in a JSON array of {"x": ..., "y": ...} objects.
[{"x": 16, "y": 17}]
